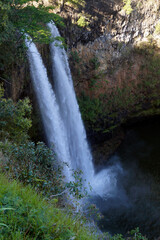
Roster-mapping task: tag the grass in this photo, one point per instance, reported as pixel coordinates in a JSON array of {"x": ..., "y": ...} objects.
[{"x": 24, "y": 215}]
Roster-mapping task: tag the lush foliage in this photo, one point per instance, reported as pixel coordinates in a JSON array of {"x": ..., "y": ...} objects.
[
  {"x": 17, "y": 18},
  {"x": 26, "y": 161},
  {"x": 127, "y": 6},
  {"x": 132, "y": 235},
  {"x": 82, "y": 21},
  {"x": 25, "y": 215},
  {"x": 92, "y": 111},
  {"x": 105, "y": 112},
  {"x": 32, "y": 164},
  {"x": 14, "y": 119},
  {"x": 22, "y": 214},
  {"x": 157, "y": 29},
  {"x": 20, "y": 17},
  {"x": 35, "y": 165}
]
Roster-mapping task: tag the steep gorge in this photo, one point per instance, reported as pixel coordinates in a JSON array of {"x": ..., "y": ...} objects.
[{"x": 114, "y": 58}]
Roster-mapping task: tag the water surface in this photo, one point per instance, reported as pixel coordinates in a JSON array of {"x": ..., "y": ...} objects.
[{"x": 136, "y": 202}]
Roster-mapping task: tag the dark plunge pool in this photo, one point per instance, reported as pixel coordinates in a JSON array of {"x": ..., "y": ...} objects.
[{"x": 136, "y": 200}]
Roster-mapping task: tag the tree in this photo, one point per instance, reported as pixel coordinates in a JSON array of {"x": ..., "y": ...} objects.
[
  {"x": 23, "y": 16},
  {"x": 18, "y": 17},
  {"x": 14, "y": 118}
]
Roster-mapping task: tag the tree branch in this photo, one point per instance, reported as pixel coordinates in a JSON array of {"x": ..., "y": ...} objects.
[
  {"x": 59, "y": 194},
  {"x": 3, "y": 79}
]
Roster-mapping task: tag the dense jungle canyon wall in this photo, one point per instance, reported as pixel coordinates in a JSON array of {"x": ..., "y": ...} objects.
[{"x": 114, "y": 52}]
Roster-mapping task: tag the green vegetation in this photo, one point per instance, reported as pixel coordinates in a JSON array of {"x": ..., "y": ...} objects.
[
  {"x": 75, "y": 57},
  {"x": 22, "y": 159},
  {"x": 22, "y": 17},
  {"x": 106, "y": 111},
  {"x": 157, "y": 29},
  {"x": 82, "y": 21},
  {"x": 26, "y": 215},
  {"x": 127, "y": 7},
  {"x": 91, "y": 110},
  {"x": 17, "y": 18},
  {"x": 14, "y": 119},
  {"x": 31, "y": 163},
  {"x": 95, "y": 63}
]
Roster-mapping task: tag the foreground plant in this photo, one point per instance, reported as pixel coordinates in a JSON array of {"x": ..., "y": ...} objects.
[
  {"x": 17, "y": 18},
  {"x": 34, "y": 218}
]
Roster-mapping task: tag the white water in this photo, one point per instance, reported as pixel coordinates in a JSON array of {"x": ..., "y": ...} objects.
[
  {"x": 53, "y": 125},
  {"x": 81, "y": 157},
  {"x": 62, "y": 119},
  {"x": 64, "y": 129},
  {"x": 104, "y": 183}
]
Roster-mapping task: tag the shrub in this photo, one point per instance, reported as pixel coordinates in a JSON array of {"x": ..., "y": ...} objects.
[
  {"x": 157, "y": 29},
  {"x": 83, "y": 21},
  {"x": 95, "y": 63},
  {"x": 33, "y": 164},
  {"x": 127, "y": 7},
  {"x": 15, "y": 119}
]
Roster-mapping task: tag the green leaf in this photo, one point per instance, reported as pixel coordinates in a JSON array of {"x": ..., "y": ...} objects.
[{"x": 3, "y": 225}]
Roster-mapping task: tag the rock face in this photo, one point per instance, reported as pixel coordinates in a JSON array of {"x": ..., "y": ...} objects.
[
  {"x": 95, "y": 15},
  {"x": 114, "y": 32},
  {"x": 102, "y": 31},
  {"x": 102, "y": 18},
  {"x": 114, "y": 52},
  {"x": 115, "y": 58}
]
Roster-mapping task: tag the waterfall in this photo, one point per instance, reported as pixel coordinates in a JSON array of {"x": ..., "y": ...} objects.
[
  {"x": 81, "y": 157},
  {"x": 53, "y": 125},
  {"x": 62, "y": 119},
  {"x": 128, "y": 204},
  {"x": 104, "y": 183}
]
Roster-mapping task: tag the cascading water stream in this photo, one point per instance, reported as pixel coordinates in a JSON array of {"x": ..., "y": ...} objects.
[
  {"x": 62, "y": 119},
  {"x": 49, "y": 109},
  {"x": 81, "y": 157},
  {"x": 117, "y": 192},
  {"x": 103, "y": 183}
]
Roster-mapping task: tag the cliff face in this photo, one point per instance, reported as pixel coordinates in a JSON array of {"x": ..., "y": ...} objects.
[
  {"x": 114, "y": 34},
  {"x": 112, "y": 19},
  {"x": 88, "y": 21},
  {"x": 114, "y": 52},
  {"x": 104, "y": 31},
  {"x": 115, "y": 59}
]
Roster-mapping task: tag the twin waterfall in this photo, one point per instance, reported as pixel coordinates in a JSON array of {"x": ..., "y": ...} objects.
[
  {"x": 80, "y": 155},
  {"x": 61, "y": 116}
]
